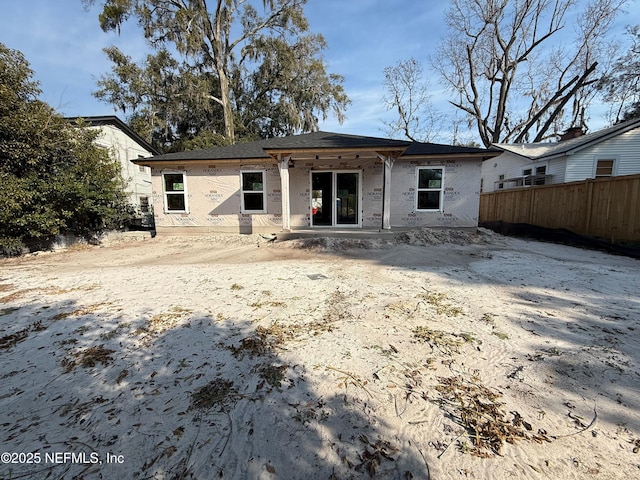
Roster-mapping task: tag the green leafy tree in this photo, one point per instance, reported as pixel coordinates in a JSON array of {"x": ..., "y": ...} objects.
[
  {"x": 290, "y": 85},
  {"x": 55, "y": 179},
  {"x": 236, "y": 69},
  {"x": 168, "y": 102}
]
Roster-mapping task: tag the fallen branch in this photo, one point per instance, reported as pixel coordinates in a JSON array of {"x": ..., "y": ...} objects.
[
  {"x": 584, "y": 429},
  {"x": 356, "y": 381}
]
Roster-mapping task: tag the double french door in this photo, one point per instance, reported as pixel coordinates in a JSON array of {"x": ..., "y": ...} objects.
[{"x": 335, "y": 199}]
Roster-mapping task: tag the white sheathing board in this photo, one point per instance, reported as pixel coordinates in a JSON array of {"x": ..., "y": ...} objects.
[
  {"x": 373, "y": 194},
  {"x": 461, "y": 199},
  {"x": 300, "y": 192},
  {"x": 214, "y": 198},
  {"x": 214, "y": 195}
]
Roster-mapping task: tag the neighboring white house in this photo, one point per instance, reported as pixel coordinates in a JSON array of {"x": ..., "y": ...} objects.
[
  {"x": 613, "y": 151},
  {"x": 124, "y": 146}
]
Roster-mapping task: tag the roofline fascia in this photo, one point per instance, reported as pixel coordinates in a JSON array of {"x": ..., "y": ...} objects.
[
  {"x": 483, "y": 155},
  {"x": 151, "y": 162}
]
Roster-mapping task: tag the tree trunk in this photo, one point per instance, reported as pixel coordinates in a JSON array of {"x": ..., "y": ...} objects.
[
  {"x": 225, "y": 101},
  {"x": 221, "y": 56}
]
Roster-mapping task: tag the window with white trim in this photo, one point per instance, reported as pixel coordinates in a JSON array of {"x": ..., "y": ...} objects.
[
  {"x": 541, "y": 175},
  {"x": 253, "y": 191},
  {"x": 144, "y": 204},
  {"x": 430, "y": 188},
  {"x": 175, "y": 192},
  {"x": 604, "y": 168}
]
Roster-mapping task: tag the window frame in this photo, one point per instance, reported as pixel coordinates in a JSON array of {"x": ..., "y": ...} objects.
[
  {"x": 540, "y": 171},
  {"x": 440, "y": 189},
  {"x": 166, "y": 193},
  {"x": 243, "y": 208},
  {"x": 145, "y": 205},
  {"x": 527, "y": 173},
  {"x": 613, "y": 161}
]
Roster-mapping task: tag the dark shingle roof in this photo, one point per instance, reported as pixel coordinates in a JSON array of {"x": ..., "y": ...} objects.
[
  {"x": 240, "y": 151},
  {"x": 328, "y": 140},
  {"x": 316, "y": 141}
]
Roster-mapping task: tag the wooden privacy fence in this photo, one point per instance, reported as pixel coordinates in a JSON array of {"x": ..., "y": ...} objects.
[{"x": 607, "y": 208}]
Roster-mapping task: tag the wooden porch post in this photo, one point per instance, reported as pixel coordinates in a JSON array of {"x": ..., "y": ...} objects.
[
  {"x": 386, "y": 190},
  {"x": 283, "y": 166}
]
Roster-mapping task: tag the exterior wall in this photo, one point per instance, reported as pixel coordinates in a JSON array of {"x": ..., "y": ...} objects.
[
  {"x": 624, "y": 149},
  {"x": 214, "y": 197},
  {"x": 461, "y": 194},
  {"x": 124, "y": 149},
  {"x": 556, "y": 168},
  {"x": 214, "y": 200},
  {"x": 507, "y": 164}
]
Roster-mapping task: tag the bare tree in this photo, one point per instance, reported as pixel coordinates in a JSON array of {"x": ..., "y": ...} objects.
[
  {"x": 621, "y": 88},
  {"x": 408, "y": 94},
  {"x": 511, "y": 70}
]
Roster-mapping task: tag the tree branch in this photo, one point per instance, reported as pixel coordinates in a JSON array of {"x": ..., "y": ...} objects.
[{"x": 564, "y": 101}]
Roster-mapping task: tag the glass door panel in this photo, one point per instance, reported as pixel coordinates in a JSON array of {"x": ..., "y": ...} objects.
[
  {"x": 347, "y": 193},
  {"x": 321, "y": 198}
]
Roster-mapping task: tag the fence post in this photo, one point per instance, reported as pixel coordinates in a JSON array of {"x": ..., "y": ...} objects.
[
  {"x": 531, "y": 215},
  {"x": 588, "y": 206}
]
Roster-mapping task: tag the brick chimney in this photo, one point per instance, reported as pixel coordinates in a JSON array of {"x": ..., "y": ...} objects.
[{"x": 573, "y": 132}]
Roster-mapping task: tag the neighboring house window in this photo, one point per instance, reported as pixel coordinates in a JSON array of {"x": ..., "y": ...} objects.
[
  {"x": 540, "y": 175},
  {"x": 142, "y": 169},
  {"x": 254, "y": 194},
  {"x": 175, "y": 192},
  {"x": 501, "y": 181},
  {"x": 526, "y": 173},
  {"x": 430, "y": 188},
  {"x": 144, "y": 204},
  {"x": 604, "y": 168}
]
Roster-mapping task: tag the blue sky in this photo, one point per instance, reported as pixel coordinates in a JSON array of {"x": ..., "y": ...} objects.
[{"x": 63, "y": 43}]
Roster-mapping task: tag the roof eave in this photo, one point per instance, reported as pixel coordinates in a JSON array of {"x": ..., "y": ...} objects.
[
  {"x": 154, "y": 162},
  {"x": 483, "y": 155}
]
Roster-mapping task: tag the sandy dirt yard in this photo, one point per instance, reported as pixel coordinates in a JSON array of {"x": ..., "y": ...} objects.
[{"x": 431, "y": 355}]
